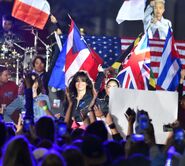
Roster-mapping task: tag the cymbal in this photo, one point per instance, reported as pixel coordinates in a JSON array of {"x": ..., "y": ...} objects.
[
  {"x": 27, "y": 28},
  {"x": 7, "y": 61},
  {"x": 18, "y": 41}
]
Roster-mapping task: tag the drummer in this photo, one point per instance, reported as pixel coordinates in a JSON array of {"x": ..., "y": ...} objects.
[{"x": 7, "y": 35}]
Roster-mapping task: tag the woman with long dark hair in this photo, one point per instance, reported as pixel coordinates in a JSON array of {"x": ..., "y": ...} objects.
[{"x": 80, "y": 96}]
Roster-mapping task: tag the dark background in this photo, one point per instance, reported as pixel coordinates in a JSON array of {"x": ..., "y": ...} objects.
[{"x": 97, "y": 17}]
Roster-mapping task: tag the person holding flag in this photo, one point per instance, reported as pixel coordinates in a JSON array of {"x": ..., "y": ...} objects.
[{"x": 74, "y": 56}]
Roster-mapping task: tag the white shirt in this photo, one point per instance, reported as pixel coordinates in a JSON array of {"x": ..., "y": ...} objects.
[{"x": 162, "y": 25}]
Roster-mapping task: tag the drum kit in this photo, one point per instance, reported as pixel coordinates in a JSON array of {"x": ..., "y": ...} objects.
[{"x": 18, "y": 58}]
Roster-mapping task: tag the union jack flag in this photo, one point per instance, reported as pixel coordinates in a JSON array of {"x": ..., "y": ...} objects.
[{"x": 136, "y": 69}]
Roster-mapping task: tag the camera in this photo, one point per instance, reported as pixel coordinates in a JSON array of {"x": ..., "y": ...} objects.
[
  {"x": 137, "y": 137},
  {"x": 27, "y": 123},
  {"x": 179, "y": 134},
  {"x": 130, "y": 112},
  {"x": 143, "y": 122}
]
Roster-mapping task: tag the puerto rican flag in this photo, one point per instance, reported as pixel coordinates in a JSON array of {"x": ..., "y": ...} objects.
[
  {"x": 136, "y": 68},
  {"x": 75, "y": 56},
  {"x": 33, "y": 12},
  {"x": 79, "y": 56}
]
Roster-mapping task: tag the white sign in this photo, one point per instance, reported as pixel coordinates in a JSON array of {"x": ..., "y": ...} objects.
[{"x": 161, "y": 106}]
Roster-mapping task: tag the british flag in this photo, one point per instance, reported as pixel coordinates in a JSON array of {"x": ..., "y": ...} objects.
[{"x": 136, "y": 69}]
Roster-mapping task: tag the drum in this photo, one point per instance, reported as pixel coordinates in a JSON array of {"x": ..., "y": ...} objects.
[
  {"x": 29, "y": 54},
  {"x": 9, "y": 59}
]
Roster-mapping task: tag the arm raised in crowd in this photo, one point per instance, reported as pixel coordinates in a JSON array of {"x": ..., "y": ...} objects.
[
  {"x": 115, "y": 133},
  {"x": 69, "y": 108}
]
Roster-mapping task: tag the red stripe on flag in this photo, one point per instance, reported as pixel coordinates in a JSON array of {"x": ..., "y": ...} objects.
[
  {"x": 29, "y": 14},
  {"x": 156, "y": 47},
  {"x": 91, "y": 65},
  {"x": 127, "y": 83}
]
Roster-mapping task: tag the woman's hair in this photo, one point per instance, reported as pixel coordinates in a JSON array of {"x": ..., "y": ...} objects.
[
  {"x": 112, "y": 79},
  {"x": 84, "y": 77},
  {"x": 40, "y": 85},
  {"x": 45, "y": 128},
  {"x": 33, "y": 77},
  {"x": 53, "y": 158},
  {"x": 41, "y": 59},
  {"x": 2, "y": 68},
  {"x": 17, "y": 152}
]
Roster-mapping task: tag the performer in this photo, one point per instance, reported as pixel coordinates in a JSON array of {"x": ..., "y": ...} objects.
[
  {"x": 7, "y": 35},
  {"x": 155, "y": 23}
]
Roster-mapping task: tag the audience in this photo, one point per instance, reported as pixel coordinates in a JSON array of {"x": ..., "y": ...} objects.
[{"x": 48, "y": 141}]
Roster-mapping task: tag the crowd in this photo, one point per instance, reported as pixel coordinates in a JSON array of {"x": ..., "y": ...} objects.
[
  {"x": 76, "y": 128},
  {"x": 84, "y": 133}
]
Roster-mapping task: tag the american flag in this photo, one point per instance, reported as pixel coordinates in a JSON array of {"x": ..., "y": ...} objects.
[{"x": 109, "y": 48}]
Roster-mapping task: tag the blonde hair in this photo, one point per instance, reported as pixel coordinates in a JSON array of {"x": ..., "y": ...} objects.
[{"x": 160, "y": 1}]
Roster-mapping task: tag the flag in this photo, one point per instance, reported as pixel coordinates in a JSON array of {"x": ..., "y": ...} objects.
[
  {"x": 79, "y": 56},
  {"x": 33, "y": 12},
  {"x": 152, "y": 82},
  {"x": 75, "y": 56},
  {"x": 136, "y": 68},
  {"x": 107, "y": 47},
  {"x": 117, "y": 64},
  {"x": 156, "y": 49},
  {"x": 57, "y": 77},
  {"x": 131, "y": 10},
  {"x": 170, "y": 66}
]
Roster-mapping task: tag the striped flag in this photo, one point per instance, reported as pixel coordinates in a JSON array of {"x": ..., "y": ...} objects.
[
  {"x": 33, "y": 12},
  {"x": 136, "y": 69},
  {"x": 79, "y": 56},
  {"x": 156, "y": 49},
  {"x": 170, "y": 65},
  {"x": 75, "y": 56},
  {"x": 117, "y": 63}
]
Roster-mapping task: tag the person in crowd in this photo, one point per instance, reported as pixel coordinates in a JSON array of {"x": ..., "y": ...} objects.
[
  {"x": 73, "y": 155},
  {"x": 40, "y": 101},
  {"x": 80, "y": 97},
  {"x": 181, "y": 102},
  {"x": 114, "y": 150},
  {"x": 92, "y": 150},
  {"x": 154, "y": 22},
  {"x": 7, "y": 35},
  {"x": 41, "y": 104},
  {"x": 53, "y": 158},
  {"x": 45, "y": 129},
  {"x": 97, "y": 128},
  {"x": 7, "y": 31},
  {"x": 8, "y": 93},
  {"x": 3, "y": 136},
  {"x": 18, "y": 152},
  {"x": 102, "y": 109},
  {"x": 39, "y": 65}
]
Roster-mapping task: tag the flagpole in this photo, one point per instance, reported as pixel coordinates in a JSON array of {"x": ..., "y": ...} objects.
[{"x": 84, "y": 41}]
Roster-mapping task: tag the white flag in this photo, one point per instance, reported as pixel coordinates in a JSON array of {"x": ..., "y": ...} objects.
[{"x": 131, "y": 10}]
